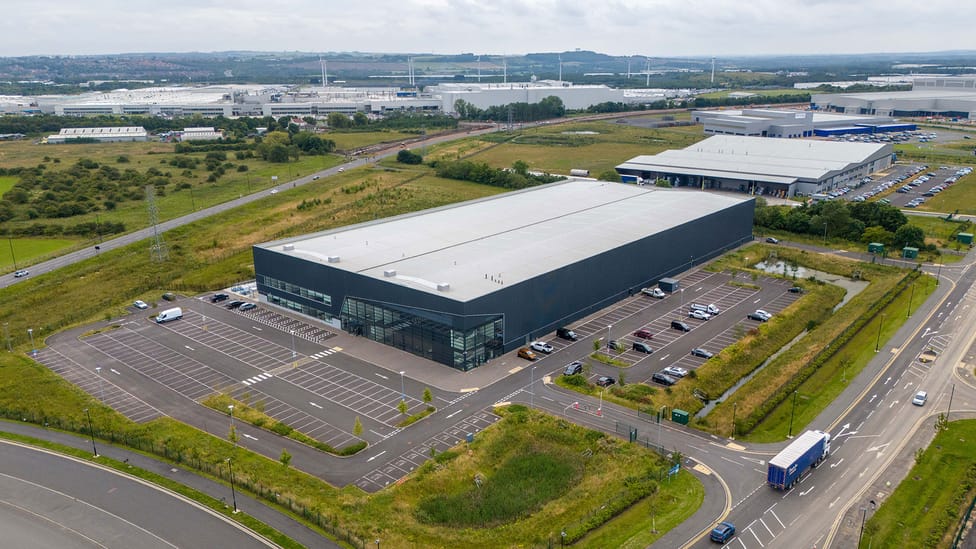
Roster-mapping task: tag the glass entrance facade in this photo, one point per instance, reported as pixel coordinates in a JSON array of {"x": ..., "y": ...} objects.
[{"x": 435, "y": 336}]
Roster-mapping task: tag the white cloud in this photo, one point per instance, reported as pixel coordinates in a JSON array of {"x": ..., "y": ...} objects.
[{"x": 644, "y": 27}]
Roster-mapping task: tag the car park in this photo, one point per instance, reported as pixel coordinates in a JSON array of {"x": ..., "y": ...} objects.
[
  {"x": 605, "y": 381},
  {"x": 140, "y": 304},
  {"x": 21, "y": 274},
  {"x": 566, "y": 333},
  {"x": 653, "y": 292},
  {"x": 541, "y": 346},
  {"x": 643, "y": 333},
  {"x": 527, "y": 354},
  {"x": 723, "y": 532},
  {"x": 234, "y": 304},
  {"x": 642, "y": 347},
  {"x": 699, "y": 352},
  {"x": 681, "y": 326},
  {"x": 920, "y": 398},
  {"x": 700, "y": 315},
  {"x": 573, "y": 368},
  {"x": 216, "y": 298},
  {"x": 675, "y": 371},
  {"x": 663, "y": 379}
]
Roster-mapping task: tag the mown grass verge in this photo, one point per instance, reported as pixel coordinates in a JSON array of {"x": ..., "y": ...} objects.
[
  {"x": 927, "y": 505},
  {"x": 255, "y": 416},
  {"x": 417, "y": 417}
]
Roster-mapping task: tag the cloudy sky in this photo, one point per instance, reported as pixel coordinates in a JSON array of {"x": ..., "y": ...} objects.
[{"x": 620, "y": 27}]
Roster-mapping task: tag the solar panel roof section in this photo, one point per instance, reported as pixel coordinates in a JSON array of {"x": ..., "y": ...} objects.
[{"x": 479, "y": 247}]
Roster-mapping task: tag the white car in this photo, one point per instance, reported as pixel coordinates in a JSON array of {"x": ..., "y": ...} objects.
[
  {"x": 341, "y": 170},
  {"x": 920, "y": 398},
  {"x": 541, "y": 346},
  {"x": 21, "y": 274},
  {"x": 700, "y": 315},
  {"x": 140, "y": 304},
  {"x": 274, "y": 191},
  {"x": 766, "y": 314},
  {"x": 675, "y": 371},
  {"x": 653, "y": 292}
]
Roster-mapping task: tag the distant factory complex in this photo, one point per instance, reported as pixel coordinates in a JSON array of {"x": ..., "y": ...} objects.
[
  {"x": 949, "y": 96},
  {"x": 277, "y": 101}
]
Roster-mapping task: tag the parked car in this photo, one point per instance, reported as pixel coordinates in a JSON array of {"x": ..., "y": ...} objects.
[
  {"x": 920, "y": 398},
  {"x": 527, "y": 354},
  {"x": 663, "y": 379},
  {"x": 698, "y": 351},
  {"x": 169, "y": 296},
  {"x": 605, "y": 381},
  {"x": 216, "y": 298},
  {"x": 643, "y": 333},
  {"x": 566, "y": 333},
  {"x": 541, "y": 346},
  {"x": 234, "y": 304},
  {"x": 700, "y": 315},
  {"x": 140, "y": 304},
  {"x": 760, "y": 315},
  {"x": 573, "y": 368},
  {"x": 653, "y": 292},
  {"x": 723, "y": 532},
  {"x": 642, "y": 347},
  {"x": 681, "y": 326},
  {"x": 795, "y": 290},
  {"x": 248, "y": 306},
  {"x": 675, "y": 371},
  {"x": 615, "y": 345},
  {"x": 21, "y": 274},
  {"x": 772, "y": 240}
]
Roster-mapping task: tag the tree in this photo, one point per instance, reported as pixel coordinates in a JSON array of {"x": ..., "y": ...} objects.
[
  {"x": 609, "y": 175},
  {"x": 428, "y": 396},
  {"x": 360, "y": 119},
  {"x": 877, "y": 234},
  {"x": 520, "y": 167},
  {"x": 909, "y": 236},
  {"x": 337, "y": 120},
  {"x": 406, "y": 156},
  {"x": 357, "y": 427},
  {"x": 285, "y": 457},
  {"x": 402, "y": 406},
  {"x": 232, "y": 435}
]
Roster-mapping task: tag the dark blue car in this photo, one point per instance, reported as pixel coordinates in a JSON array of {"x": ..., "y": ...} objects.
[{"x": 723, "y": 532}]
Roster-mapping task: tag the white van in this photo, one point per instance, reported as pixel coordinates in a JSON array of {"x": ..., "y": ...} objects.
[
  {"x": 170, "y": 314},
  {"x": 710, "y": 309}
]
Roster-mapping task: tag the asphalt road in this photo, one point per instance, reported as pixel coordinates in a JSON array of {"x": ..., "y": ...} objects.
[{"x": 48, "y": 500}]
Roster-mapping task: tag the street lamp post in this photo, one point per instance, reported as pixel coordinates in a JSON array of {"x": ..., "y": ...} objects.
[
  {"x": 825, "y": 234},
  {"x": 732, "y": 436},
  {"x": 30, "y": 332},
  {"x": 233, "y": 434},
  {"x": 91, "y": 432},
  {"x": 877, "y": 344},
  {"x": 293, "y": 355},
  {"x": 403, "y": 392},
  {"x": 12, "y": 256},
  {"x": 938, "y": 276},
  {"x": 681, "y": 298},
  {"x": 790, "y": 434},
  {"x": 609, "y": 326},
  {"x": 233, "y": 492},
  {"x": 532, "y": 386},
  {"x": 910, "y": 298},
  {"x": 864, "y": 516},
  {"x": 98, "y": 372},
  {"x": 599, "y": 411}
]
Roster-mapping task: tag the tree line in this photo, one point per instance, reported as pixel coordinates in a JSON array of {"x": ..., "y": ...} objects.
[
  {"x": 549, "y": 107},
  {"x": 516, "y": 177}
]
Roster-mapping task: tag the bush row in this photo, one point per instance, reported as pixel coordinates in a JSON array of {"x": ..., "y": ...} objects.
[{"x": 759, "y": 413}]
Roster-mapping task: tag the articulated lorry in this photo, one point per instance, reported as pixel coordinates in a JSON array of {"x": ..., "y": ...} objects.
[{"x": 808, "y": 450}]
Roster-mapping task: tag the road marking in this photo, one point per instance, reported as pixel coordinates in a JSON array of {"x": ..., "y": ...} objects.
[
  {"x": 377, "y": 434},
  {"x": 256, "y": 328},
  {"x": 758, "y": 300},
  {"x": 249, "y": 436},
  {"x": 188, "y": 347},
  {"x": 316, "y": 405},
  {"x": 116, "y": 372},
  {"x": 452, "y": 414},
  {"x": 836, "y": 463},
  {"x": 381, "y": 375},
  {"x": 832, "y": 503},
  {"x": 887, "y": 380},
  {"x": 761, "y": 521},
  {"x": 808, "y": 491},
  {"x": 376, "y": 456},
  {"x": 770, "y": 510},
  {"x": 870, "y": 400},
  {"x": 665, "y": 356},
  {"x": 864, "y": 472}
]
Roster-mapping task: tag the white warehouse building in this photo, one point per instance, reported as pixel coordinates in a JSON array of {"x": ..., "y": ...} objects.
[
  {"x": 778, "y": 122},
  {"x": 935, "y": 96},
  {"x": 762, "y": 166}
]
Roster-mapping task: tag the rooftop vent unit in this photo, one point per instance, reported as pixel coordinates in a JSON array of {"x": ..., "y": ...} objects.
[
  {"x": 389, "y": 273},
  {"x": 288, "y": 247},
  {"x": 443, "y": 286},
  {"x": 333, "y": 259}
]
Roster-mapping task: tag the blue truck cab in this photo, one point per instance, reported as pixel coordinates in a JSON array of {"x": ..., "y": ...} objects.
[{"x": 723, "y": 532}]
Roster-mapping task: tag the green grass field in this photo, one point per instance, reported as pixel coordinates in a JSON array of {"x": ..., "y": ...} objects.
[
  {"x": 30, "y": 250},
  {"x": 347, "y": 141},
  {"x": 7, "y": 183},
  {"x": 926, "y": 507}
]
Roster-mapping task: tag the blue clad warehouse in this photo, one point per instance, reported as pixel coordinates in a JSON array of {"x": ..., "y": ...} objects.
[{"x": 463, "y": 284}]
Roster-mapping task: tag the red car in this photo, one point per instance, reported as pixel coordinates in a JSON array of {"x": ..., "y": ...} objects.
[{"x": 643, "y": 334}]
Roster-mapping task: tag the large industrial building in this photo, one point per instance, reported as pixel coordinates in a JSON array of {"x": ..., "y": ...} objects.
[
  {"x": 948, "y": 96},
  {"x": 791, "y": 123},
  {"x": 758, "y": 165},
  {"x": 463, "y": 284},
  {"x": 102, "y": 135}
]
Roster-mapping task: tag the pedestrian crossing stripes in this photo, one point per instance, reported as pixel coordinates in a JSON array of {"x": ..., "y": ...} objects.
[
  {"x": 257, "y": 378},
  {"x": 327, "y": 352}
]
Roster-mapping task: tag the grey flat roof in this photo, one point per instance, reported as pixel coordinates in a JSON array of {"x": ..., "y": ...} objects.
[
  {"x": 479, "y": 247},
  {"x": 759, "y": 158}
]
